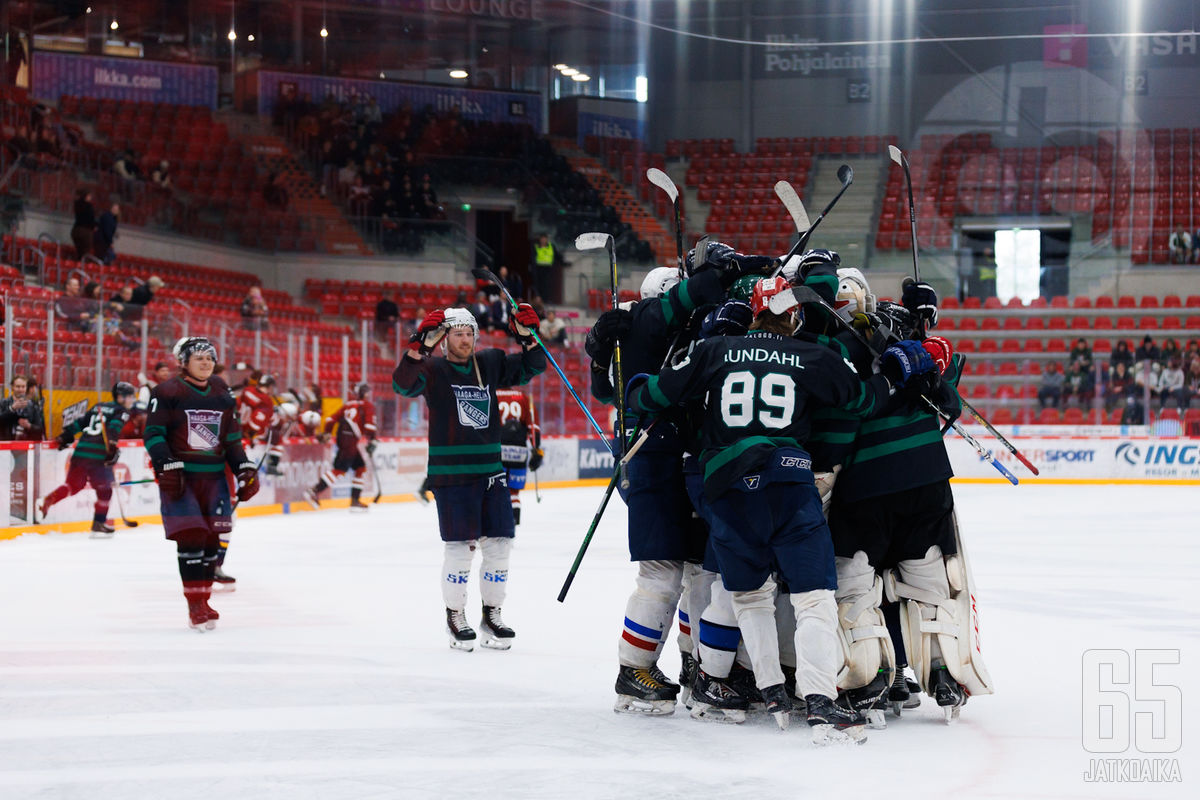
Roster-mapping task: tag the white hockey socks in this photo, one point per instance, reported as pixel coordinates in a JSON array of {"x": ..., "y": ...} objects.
[
  {"x": 697, "y": 583},
  {"x": 818, "y": 653},
  {"x": 719, "y": 634},
  {"x": 649, "y": 612},
  {"x": 755, "y": 611},
  {"x": 493, "y": 569},
  {"x": 456, "y": 572}
]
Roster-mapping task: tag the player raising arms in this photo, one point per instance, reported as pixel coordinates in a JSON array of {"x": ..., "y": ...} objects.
[
  {"x": 192, "y": 437},
  {"x": 759, "y": 496},
  {"x": 465, "y": 469},
  {"x": 351, "y": 424},
  {"x": 95, "y": 453}
]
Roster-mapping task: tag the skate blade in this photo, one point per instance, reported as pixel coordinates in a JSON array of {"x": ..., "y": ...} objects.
[
  {"x": 653, "y": 708},
  {"x": 707, "y": 713},
  {"x": 685, "y": 697},
  {"x": 825, "y": 735},
  {"x": 101, "y": 535},
  {"x": 466, "y": 647},
  {"x": 951, "y": 713},
  {"x": 359, "y": 510},
  {"x": 492, "y": 643},
  {"x": 876, "y": 720},
  {"x": 225, "y": 588},
  {"x": 199, "y": 627},
  {"x": 783, "y": 719}
]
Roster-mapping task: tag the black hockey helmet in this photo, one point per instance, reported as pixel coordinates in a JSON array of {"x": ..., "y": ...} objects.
[
  {"x": 189, "y": 346},
  {"x": 123, "y": 389},
  {"x": 361, "y": 390}
]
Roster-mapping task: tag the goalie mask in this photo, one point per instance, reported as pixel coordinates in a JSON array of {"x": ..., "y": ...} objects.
[{"x": 853, "y": 295}]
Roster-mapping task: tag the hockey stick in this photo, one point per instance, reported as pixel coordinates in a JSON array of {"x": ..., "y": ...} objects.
[
  {"x": 845, "y": 175},
  {"x": 806, "y": 295},
  {"x": 485, "y": 274},
  {"x": 897, "y": 155},
  {"x": 587, "y": 539},
  {"x": 593, "y": 241},
  {"x": 792, "y": 202},
  {"x": 369, "y": 458},
  {"x": 663, "y": 181},
  {"x": 112, "y": 478},
  {"x": 536, "y": 491}
]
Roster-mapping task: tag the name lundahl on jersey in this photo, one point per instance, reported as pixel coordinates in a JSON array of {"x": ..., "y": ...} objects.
[{"x": 762, "y": 354}]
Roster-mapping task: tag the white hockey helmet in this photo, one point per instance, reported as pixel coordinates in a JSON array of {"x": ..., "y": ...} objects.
[
  {"x": 461, "y": 318},
  {"x": 310, "y": 419},
  {"x": 790, "y": 268},
  {"x": 659, "y": 281},
  {"x": 287, "y": 411},
  {"x": 853, "y": 295}
]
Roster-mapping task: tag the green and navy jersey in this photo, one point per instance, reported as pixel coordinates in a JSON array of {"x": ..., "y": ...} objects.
[
  {"x": 197, "y": 425},
  {"x": 899, "y": 449},
  {"x": 760, "y": 392},
  {"x": 97, "y": 429},
  {"x": 464, "y": 417}
]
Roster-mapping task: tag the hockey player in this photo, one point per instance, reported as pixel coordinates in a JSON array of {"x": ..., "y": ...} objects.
[
  {"x": 95, "y": 453},
  {"x": 283, "y": 420},
  {"x": 895, "y": 534},
  {"x": 308, "y": 426},
  {"x": 520, "y": 443},
  {"x": 664, "y": 536},
  {"x": 759, "y": 497},
  {"x": 193, "y": 439},
  {"x": 256, "y": 408},
  {"x": 465, "y": 470},
  {"x": 353, "y": 429}
]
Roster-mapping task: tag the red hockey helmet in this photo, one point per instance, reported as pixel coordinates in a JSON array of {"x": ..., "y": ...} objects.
[{"x": 774, "y": 295}]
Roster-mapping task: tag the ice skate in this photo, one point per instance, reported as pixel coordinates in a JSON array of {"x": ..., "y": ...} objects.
[
  {"x": 638, "y": 692},
  {"x": 102, "y": 530},
  {"x": 462, "y": 635},
  {"x": 198, "y": 617},
  {"x": 42, "y": 508},
  {"x": 832, "y": 724},
  {"x": 948, "y": 693},
  {"x": 223, "y": 582},
  {"x": 778, "y": 704},
  {"x": 310, "y": 497},
  {"x": 496, "y": 635},
  {"x": 871, "y": 700},
  {"x": 714, "y": 699},
  {"x": 789, "y": 683},
  {"x": 687, "y": 676},
  {"x": 358, "y": 506},
  {"x": 742, "y": 681},
  {"x": 904, "y": 693},
  {"x": 662, "y": 678}
]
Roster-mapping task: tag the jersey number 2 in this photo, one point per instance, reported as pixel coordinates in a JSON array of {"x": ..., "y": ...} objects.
[{"x": 776, "y": 394}]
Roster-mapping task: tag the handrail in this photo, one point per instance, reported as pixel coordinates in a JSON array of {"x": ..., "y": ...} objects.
[{"x": 57, "y": 253}]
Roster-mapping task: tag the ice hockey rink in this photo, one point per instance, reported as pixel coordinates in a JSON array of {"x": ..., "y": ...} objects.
[{"x": 329, "y": 675}]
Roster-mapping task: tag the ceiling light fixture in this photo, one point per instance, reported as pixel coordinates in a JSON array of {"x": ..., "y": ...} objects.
[{"x": 458, "y": 74}]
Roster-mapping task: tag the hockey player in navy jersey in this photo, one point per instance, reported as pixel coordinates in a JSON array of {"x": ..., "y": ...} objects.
[
  {"x": 465, "y": 470},
  {"x": 759, "y": 497}
]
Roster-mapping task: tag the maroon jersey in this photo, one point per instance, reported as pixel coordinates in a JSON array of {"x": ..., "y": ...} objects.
[
  {"x": 194, "y": 425},
  {"x": 255, "y": 409},
  {"x": 354, "y": 420}
]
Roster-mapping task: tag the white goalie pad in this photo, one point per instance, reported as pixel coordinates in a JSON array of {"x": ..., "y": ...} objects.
[
  {"x": 862, "y": 631},
  {"x": 824, "y": 482},
  {"x": 940, "y": 617}
]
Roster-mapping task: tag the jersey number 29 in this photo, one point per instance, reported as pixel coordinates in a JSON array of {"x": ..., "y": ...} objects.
[{"x": 776, "y": 394}]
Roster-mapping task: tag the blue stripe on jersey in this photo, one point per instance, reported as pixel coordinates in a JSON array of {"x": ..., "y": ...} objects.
[{"x": 642, "y": 630}]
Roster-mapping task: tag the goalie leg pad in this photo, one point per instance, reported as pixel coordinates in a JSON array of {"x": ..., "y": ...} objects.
[
  {"x": 866, "y": 644},
  {"x": 649, "y": 612},
  {"x": 456, "y": 572}
]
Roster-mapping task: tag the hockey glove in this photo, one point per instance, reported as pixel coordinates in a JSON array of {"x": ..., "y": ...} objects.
[
  {"x": 523, "y": 323},
  {"x": 921, "y": 299},
  {"x": 371, "y": 447},
  {"x": 903, "y": 360},
  {"x": 741, "y": 265},
  {"x": 535, "y": 460},
  {"x": 247, "y": 481},
  {"x": 170, "y": 479},
  {"x": 111, "y": 456},
  {"x": 64, "y": 440},
  {"x": 610, "y": 327},
  {"x": 940, "y": 351},
  {"x": 717, "y": 255},
  {"x": 429, "y": 333},
  {"x": 731, "y": 318}
]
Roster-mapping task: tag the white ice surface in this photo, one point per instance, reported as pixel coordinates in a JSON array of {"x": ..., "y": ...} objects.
[{"x": 329, "y": 675}]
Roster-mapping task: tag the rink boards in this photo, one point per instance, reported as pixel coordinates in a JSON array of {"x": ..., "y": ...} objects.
[{"x": 28, "y": 471}]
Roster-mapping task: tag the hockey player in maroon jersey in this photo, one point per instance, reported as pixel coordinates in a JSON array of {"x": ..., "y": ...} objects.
[
  {"x": 520, "y": 442},
  {"x": 308, "y": 426},
  {"x": 193, "y": 438},
  {"x": 465, "y": 469},
  {"x": 283, "y": 422},
  {"x": 94, "y": 455},
  {"x": 256, "y": 408},
  {"x": 352, "y": 424}
]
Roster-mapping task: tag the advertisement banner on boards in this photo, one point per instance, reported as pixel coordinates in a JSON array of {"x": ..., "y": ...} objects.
[{"x": 58, "y": 74}]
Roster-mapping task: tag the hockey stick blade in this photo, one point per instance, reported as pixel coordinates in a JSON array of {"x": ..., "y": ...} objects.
[
  {"x": 895, "y": 154},
  {"x": 845, "y": 175},
  {"x": 792, "y": 202},
  {"x": 592, "y": 241},
  {"x": 663, "y": 181}
]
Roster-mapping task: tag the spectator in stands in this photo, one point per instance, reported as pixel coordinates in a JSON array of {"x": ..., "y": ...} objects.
[
  {"x": 1135, "y": 411},
  {"x": 552, "y": 329},
  {"x": 545, "y": 259},
  {"x": 1080, "y": 352},
  {"x": 1192, "y": 350},
  {"x": 1148, "y": 351},
  {"x": 1193, "y": 381},
  {"x": 20, "y": 144},
  {"x": 1050, "y": 392},
  {"x": 1080, "y": 383},
  {"x": 482, "y": 310},
  {"x": 47, "y": 142},
  {"x": 387, "y": 314},
  {"x": 106, "y": 234},
  {"x": 275, "y": 193},
  {"x": 538, "y": 305},
  {"x": 126, "y": 165},
  {"x": 1180, "y": 245},
  {"x": 84, "y": 229},
  {"x": 71, "y": 308},
  {"x": 254, "y": 310},
  {"x": 360, "y": 197},
  {"x": 512, "y": 282},
  {"x": 497, "y": 309},
  {"x": 161, "y": 176},
  {"x": 1170, "y": 350},
  {"x": 427, "y": 201},
  {"x": 1150, "y": 380},
  {"x": 143, "y": 294},
  {"x": 1120, "y": 385},
  {"x": 410, "y": 325},
  {"x": 162, "y": 373},
  {"x": 1121, "y": 354},
  {"x": 1173, "y": 383},
  {"x": 21, "y": 413},
  {"x": 1196, "y": 247}
]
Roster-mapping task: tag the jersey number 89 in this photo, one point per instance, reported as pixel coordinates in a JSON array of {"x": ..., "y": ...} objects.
[{"x": 776, "y": 393}]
